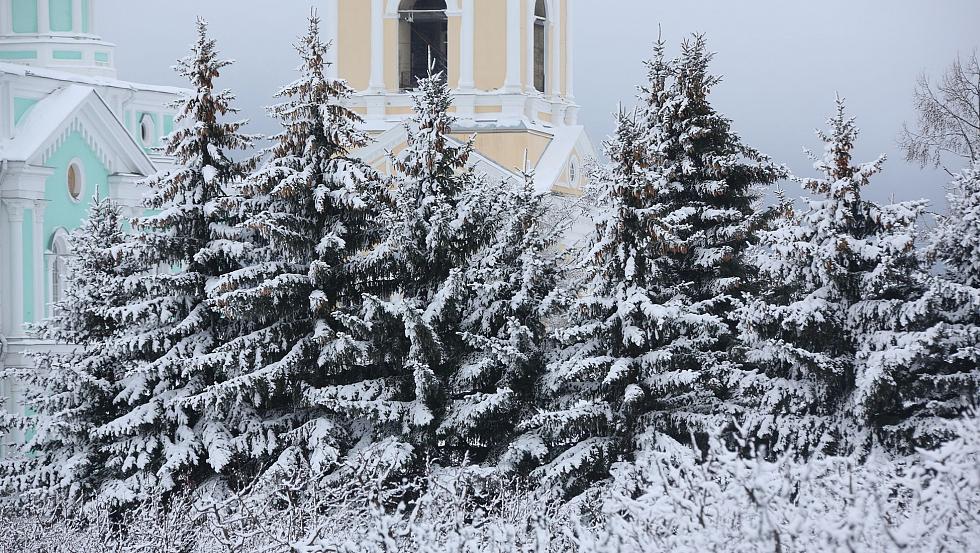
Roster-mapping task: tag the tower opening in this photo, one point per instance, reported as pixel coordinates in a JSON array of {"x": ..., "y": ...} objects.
[
  {"x": 423, "y": 31},
  {"x": 540, "y": 41}
]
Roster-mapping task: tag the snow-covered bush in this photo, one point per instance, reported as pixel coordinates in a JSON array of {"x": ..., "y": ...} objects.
[{"x": 671, "y": 498}]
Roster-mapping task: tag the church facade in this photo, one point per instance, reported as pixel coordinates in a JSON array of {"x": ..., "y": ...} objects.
[
  {"x": 509, "y": 64},
  {"x": 68, "y": 128}
]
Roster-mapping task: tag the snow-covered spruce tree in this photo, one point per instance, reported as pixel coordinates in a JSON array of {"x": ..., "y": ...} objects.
[
  {"x": 166, "y": 323},
  {"x": 446, "y": 336},
  {"x": 515, "y": 287},
  {"x": 647, "y": 341},
  {"x": 817, "y": 339},
  {"x": 938, "y": 347},
  {"x": 71, "y": 389},
  {"x": 300, "y": 218}
]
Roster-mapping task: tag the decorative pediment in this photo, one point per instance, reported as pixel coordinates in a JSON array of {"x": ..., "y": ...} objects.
[{"x": 77, "y": 109}]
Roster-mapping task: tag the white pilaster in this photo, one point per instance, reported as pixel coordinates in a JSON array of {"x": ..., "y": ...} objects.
[
  {"x": 570, "y": 52},
  {"x": 529, "y": 17},
  {"x": 513, "y": 82},
  {"x": 15, "y": 276},
  {"x": 332, "y": 13},
  {"x": 556, "y": 57},
  {"x": 43, "y": 17},
  {"x": 377, "y": 83},
  {"x": 6, "y": 21},
  {"x": 39, "y": 288},
  {"x": 467, "y": 51},
  {"x": 76, "y": 15}
]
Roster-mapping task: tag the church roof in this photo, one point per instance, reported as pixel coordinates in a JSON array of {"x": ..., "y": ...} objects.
[
  {"x": 76, "y": 108},
  {"x": 20, "y": 70}
]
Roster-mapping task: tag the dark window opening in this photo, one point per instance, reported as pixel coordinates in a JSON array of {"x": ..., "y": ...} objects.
[
  {"x": 423, "y": 34},
  {"x": 540, "y": 49}
]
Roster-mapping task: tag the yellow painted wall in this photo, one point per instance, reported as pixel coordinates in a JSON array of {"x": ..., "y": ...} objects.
[
  {"x": 490, "y": 44},
  {"x": 507, "y": 148},
  {"x": 354, "y": 43},
  {"x": 455, "y": 31},
  {"x": 391, "y": 54}
]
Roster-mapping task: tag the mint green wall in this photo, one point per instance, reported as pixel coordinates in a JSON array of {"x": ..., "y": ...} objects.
[
  {"x": 21, "y": 107},
  {"x": 102, "y": 57},
  {"x": 62, "y": 211},
  {"x": 18, "y": 55},
  {"x": 168, "y": 124},
  {"x": 66, "y": 55},
  {"x": 60, "y": 11},
  {"x": 28, "y": 233},
  {"x": 24, "y": 16},
  {"x": 86, "y": 24}
]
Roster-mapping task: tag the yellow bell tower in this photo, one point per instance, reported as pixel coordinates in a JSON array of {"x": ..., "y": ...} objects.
[{"x": 509, "y": 63}]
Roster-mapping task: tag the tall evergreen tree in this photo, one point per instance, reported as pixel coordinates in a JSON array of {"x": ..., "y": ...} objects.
[
  {"x": 167, "y": 323},
  {"x": 646, "y": 347},
  {"x": 72, "y": 388},
  {"x": 934, "y": 354},
  {"x": 301, "y": 217},
  {"x": 450, "y": 331},
  {"x": 514, "y": 288},
  {"x": 839, "y": 272}
]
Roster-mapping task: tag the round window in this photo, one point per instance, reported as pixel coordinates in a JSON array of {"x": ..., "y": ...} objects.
[{"x": 75, "y": 181}]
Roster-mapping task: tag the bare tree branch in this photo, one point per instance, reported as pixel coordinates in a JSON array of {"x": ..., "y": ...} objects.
[{"x": 948, "y": 123}]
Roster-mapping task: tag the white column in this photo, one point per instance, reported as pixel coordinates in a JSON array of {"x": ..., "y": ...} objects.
[
  {"x": 76, "y": 15},
  {"x": 513, "y": 82},
  {"x": 43, "y": 17},
  {"x": 39, "y": 273},
  {"x": 556, "y": 56},
  {"x": 15, "y": 276},
  {"x": 6, "y": 19},
  {"x": 529, "y": 17},
  {"x": 332, "y": 11},
  {"x": 570, "y": 52},
  {"x": 467, "y": 36},
  {"x": 91, "y": 16},
  {"x": 377, "y": 83}
]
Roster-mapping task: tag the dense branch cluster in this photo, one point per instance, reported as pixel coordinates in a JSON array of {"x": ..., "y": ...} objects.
[{"x": 412, "y": 361}]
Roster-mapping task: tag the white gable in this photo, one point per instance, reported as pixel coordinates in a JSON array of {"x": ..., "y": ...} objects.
[{"x": 76, "y": 108}]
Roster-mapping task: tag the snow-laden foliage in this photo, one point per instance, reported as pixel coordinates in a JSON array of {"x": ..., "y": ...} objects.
[
  {"x": 670, "y": 498},
  {"x": 72, "y": 388},
  {"x": 937, "y": 358},
  {"x": 823, "y": 339},
  {"x": 648, "y": 340},
  {"x": 166, "y": 323},
  {"x": 298, "y": 221},
  {"x": 450, "y": 338}
]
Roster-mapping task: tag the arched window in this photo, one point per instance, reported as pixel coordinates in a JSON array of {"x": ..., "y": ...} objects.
[
  {"x": 423, "y": 31},
  {"x": 58, "y": 265},
  {"x": 540, "y": 42},
  {"x": 147, "y": 129}
]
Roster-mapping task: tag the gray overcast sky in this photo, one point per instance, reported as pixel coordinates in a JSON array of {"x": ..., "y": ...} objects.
[{"x": 783, "y": 61}]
